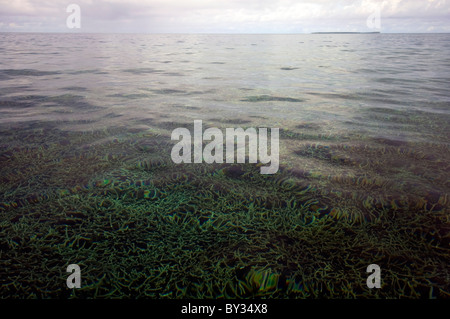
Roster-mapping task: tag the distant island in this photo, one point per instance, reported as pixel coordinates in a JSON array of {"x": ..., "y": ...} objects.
[{"x": 377, "y": 32}]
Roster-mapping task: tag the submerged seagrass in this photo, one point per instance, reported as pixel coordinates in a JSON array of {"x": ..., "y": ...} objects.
[{"x": 145, "y": 227}]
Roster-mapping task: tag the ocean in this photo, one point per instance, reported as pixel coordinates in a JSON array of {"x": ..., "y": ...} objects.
[{"x": 86, "y": 175}]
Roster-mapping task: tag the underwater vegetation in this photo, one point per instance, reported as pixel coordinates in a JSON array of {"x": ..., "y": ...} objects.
[{"x": 139, "y": 226}]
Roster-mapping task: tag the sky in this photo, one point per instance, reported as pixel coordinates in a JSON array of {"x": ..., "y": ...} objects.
[{"x": 226, "y": 16}]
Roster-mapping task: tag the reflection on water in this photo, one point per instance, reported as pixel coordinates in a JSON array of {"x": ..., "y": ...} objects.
[{"x": 85, "y": 163}]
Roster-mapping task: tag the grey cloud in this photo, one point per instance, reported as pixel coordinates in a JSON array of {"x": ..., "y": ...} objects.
[{"x": 226, "y": 16}]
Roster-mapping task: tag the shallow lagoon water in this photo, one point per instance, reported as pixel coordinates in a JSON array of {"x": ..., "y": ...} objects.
[{"x": 86, "y": 175}]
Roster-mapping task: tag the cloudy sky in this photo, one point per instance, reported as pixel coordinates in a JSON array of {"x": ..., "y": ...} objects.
[{"x": 227, "y": 16}]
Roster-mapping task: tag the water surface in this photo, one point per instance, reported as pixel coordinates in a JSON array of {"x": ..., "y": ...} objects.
[{"x": 85, "y": 124}]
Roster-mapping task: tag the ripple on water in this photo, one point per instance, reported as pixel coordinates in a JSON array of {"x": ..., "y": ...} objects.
[{"x": 269, "y": 98}]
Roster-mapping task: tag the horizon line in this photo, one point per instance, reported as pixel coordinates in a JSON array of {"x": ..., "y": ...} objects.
[{"x": 229, "y": 33}]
